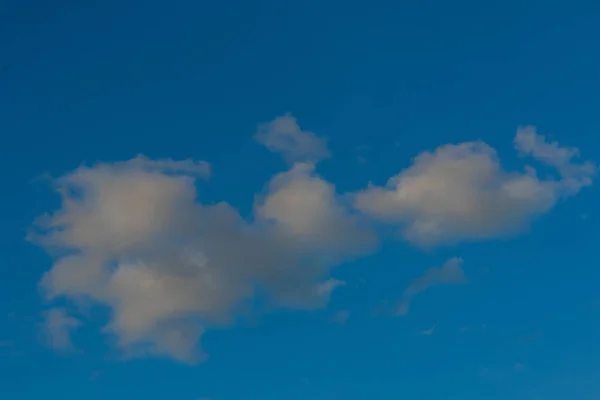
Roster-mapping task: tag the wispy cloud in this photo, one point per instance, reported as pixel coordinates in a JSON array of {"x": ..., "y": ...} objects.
[
  {"x": 451, "y": 273},
  {"x": 58, "y": 325},
  {"x": 341, "y": 317},
  {"x": 430, "y": 331}
]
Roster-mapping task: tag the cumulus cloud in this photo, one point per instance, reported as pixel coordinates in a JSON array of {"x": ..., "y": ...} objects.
[
  {"x": 132, "y": 237},
  {"x": 451, "y": 273},
  {"x": 306, "y": 208},
  {"x": 461, "y": 192},
  {"x": 58, "y": 325},
  {"x": 283, "y": 135}
]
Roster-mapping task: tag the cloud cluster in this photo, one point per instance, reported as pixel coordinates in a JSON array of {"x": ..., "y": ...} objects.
[{"x": 132, "y": 236}]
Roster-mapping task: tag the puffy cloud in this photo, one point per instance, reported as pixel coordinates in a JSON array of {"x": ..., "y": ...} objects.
[
  {"x": 132, "y": 236},
  {"x": 283, "y": 135},
  {"x": 461, "y": 192},
  {"x": 58, "y": 325},
  {"x": 306, "y": 208},
  {"x": 451, "y": 273}
]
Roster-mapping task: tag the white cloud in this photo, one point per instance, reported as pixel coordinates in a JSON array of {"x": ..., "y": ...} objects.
[
  {"x": 461, "y": 192},
  {"x": 306, "y": 208},
  {"x": 283, "y": 135},
  {"x": 451, "y": 273},
  {"x": 132, "y": 237},
  {"x": 58, "y": 325},
  {"x": 574, "y": 176}
]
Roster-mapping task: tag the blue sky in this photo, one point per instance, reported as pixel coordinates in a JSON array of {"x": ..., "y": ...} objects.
[{"x": 336, "y": 200}]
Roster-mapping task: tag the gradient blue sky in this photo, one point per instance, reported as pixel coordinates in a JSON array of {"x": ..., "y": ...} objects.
[{"x": 103, "y": 81}]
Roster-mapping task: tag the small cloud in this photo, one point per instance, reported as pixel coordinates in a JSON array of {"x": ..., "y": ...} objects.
[
  {"x": 303, "y": 206},
  {"x": 575, "y": 176},
  {"x": 283, "y": 135},
  {"x": 451, "y": 273},
  {"x": 341, "y": 317},
  {"x": 189, "y": 166},
  {"x": 430, "y": 331},
  {"x": 6, "y": 343},
  {"x": 361, "y": 160},
  {"x": 58, "y": 327}
]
